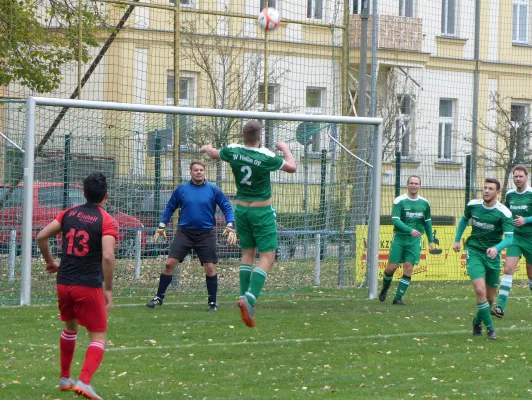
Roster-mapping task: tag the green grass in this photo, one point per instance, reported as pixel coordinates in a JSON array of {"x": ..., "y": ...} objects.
[{"x": 321, "y": 344}]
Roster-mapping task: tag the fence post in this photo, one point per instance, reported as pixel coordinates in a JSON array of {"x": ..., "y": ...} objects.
[
  {"x": 66, "y": 171},
  {"x": 317, "y": 260},
  {"x": 12, "y": 255},
  {"x": 138, "y": 250},
  {"x": 397, "y": 173},
  {"x": 468, "y": 179}
]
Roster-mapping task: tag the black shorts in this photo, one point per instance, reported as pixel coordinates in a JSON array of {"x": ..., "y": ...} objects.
[{"x": 203, "y": 243}]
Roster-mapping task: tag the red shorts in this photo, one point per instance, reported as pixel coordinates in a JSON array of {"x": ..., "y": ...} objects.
[{"x": 85, "y": 304}]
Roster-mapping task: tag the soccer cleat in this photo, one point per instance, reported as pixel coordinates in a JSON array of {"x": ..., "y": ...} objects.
[
  {"x": 497, "y": 311},
  {"x": 85, "y": 390},
  {"x": 66, "y": 383},
  {"x": 382, "y": 294},
  {"x": 399, "y": 301},
  {"x": 213, "y": 307},
  {"x": 156, "y": 301},
  {"x": 477, "y": 329},
  {"x": 491, "y": 334},
  {"x": 247, "y": 311}
]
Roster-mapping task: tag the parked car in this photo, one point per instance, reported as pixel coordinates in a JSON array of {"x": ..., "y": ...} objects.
[
  {"x": 47, "y": 203},
  {"x": 150, "y": 217}
]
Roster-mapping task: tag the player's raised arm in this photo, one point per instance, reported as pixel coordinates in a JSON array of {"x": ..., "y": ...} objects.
[
  {"x": 210, "y": 151},
  {"x": 289, "y": 160}
]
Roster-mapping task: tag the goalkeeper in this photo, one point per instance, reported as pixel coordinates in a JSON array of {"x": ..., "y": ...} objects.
[{"x": 197, "y": 199}]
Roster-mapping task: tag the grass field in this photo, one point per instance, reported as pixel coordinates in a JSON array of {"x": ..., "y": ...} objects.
[{"x": 322, "y": 344}]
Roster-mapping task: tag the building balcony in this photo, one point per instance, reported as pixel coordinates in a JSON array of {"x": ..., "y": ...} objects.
[{"x": 393, "y": 32}]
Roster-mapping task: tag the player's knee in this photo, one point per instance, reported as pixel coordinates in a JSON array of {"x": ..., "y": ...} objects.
[{"x": 210, "y": 269}]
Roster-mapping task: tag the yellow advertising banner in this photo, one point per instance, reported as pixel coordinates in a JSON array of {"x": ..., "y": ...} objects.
[{"x": 442, "y": 264}]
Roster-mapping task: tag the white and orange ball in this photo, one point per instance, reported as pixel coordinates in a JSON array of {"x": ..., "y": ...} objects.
[{"x": 269, "y": 19}]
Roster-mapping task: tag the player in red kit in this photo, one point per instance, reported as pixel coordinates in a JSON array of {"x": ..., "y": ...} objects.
[{"x": 87, "y": 261}]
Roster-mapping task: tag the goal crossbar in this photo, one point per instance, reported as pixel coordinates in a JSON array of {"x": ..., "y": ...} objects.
[{"x": 29, "y": 156}]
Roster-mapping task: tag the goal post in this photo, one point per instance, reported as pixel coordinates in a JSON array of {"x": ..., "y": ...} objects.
[{"x": 33, "y": 105}]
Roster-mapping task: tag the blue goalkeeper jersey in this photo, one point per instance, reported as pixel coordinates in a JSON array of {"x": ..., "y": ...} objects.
[{"x": 198, "y": 205}]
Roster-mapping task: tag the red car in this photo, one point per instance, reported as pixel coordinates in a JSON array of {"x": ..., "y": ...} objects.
[{"x": 47, "y": 203}]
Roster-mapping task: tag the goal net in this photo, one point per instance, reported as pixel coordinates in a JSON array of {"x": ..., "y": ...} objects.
[{"x": 325, "y": 210}]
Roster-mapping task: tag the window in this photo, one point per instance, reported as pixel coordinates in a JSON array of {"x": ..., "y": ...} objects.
[
  {"x": 183, "y": 3},
  {"x": 313, "y": 98},
  {"x": 445, "y": 135},
  {"x": 53, "y": 196},
  {"x": 187, "y": 127},
  {"x": 519, "y": 131},
  {"x": 268, "y": 3},
  {"x": 448, "y": 17},
  {"x": 357, "y": 6},
  {"x": 406, "y": 8},
  {"x": 520, "y": 21},
  {"x": 315, "y": 9},
  {"x": 270, "y": 132},
  {"x": 403, "y": 132},
  {"x": 271, "y": 94},
  {"x": 186, "y": 90}
]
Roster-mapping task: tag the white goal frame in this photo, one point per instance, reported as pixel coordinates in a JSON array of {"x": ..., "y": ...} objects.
[{"x": 29, "y": 155}]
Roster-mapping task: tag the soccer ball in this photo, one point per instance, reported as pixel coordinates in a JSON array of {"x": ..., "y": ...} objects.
[{"x": 269, "y": 19}]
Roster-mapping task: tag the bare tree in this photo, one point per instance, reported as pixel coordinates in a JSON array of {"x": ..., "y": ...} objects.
[
  {"x": 506, "y": 138},
  {"x": 234, "y": 75}
]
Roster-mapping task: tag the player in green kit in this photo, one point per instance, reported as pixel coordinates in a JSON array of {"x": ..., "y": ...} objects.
[
  {"x": 255, "y": 217},
  {"x": 519, "y": 201},
  {"x": 411, "y": 218},
  {"x": 490, "y": 220}
]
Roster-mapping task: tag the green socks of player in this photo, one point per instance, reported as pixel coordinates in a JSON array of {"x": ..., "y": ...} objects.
[
  {"x": 258, "y": 278},
  {"x": 404, "y": 282},
  {"x": 483, "y": 315},
  {"x": 245, "y": 278},
  {"x": 504, "y": 290}
]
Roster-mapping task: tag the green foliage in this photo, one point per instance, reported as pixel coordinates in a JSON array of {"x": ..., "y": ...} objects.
[{"x": 36, "y": 41}]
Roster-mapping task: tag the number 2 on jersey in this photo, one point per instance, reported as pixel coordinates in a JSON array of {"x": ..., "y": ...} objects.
[
  {"x": 246, "y": 179},
  {"x": 82, "y": 248}
]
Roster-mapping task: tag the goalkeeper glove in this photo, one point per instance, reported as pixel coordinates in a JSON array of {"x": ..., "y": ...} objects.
[
  {"x": 230, "y": 233},
  {"x": 159, "y": 232}
]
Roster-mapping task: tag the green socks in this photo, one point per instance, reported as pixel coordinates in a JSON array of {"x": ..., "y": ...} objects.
[
  {"x": 483, "y": 314},
  {"x": 258, "y": 278},
  {"x": 504, "y": 290},
  {"x": 245, "y": 278},
  {"x": 404, "y": 282}
]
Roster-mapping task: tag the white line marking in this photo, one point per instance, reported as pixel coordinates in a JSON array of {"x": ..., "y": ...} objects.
[{"x": 284, "y": 341}]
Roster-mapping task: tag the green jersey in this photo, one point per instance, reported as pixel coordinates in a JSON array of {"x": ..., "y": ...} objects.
[
  {"x": 520, "y": 204},
  {"x": 251, "y": 167},
  {"x": 488, "y": 225},
  {"x": 414, "y": 213}
]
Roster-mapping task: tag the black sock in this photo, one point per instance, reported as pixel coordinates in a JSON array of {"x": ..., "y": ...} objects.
[
  {"x": 212, "y": 287},
  {"x": 164, "y": 281}
]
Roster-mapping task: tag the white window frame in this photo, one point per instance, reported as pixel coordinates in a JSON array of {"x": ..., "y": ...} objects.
[
  {"x": 357, "y": 7},
  {"x": 312, "y": 6},
  {"x": 315, "y": 109},
  {"x": 445, "y": 18},
  {"x": 403, "y": 8},
  {"x": 443, "y": 153},
  {"x": 184, "y": 3},
  {"x": 186, "y": 99},
  {"x": 519, "y": 33},
  {"x": 268, "y": 3},
  {"x": 525, "y": 144},
  {"x": 271, "y": 131},
  {"x": 273, "y": 90}
]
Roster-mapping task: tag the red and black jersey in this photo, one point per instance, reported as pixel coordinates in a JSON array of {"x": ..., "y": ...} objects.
[{"x": 83, "y": 227}]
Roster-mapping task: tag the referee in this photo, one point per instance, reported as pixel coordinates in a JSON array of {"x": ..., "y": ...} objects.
[{"x": 197, "y": 199}]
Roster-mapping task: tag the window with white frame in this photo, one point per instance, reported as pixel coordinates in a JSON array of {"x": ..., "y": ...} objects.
[
  {"x": 184, "y": 3},
  {"x": 272, "y": 96},
  {"x": 357, "y": 6},
  {"x": 520, "y": 21},
  {"x": 448, "y": 17},
  {"x": 315, "y": 9},
  {"x": 406, "y": 8},
  {"x": 520, "y": 131},
  {"x": 403, "y": 123},
  {"x": 446, "y": 127},
  {"x": 270, "y": 133},
  {"x": 268, "y": 3},
  {"x": 314, "y": 100},
  {"x": 187, "y": 93}
]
